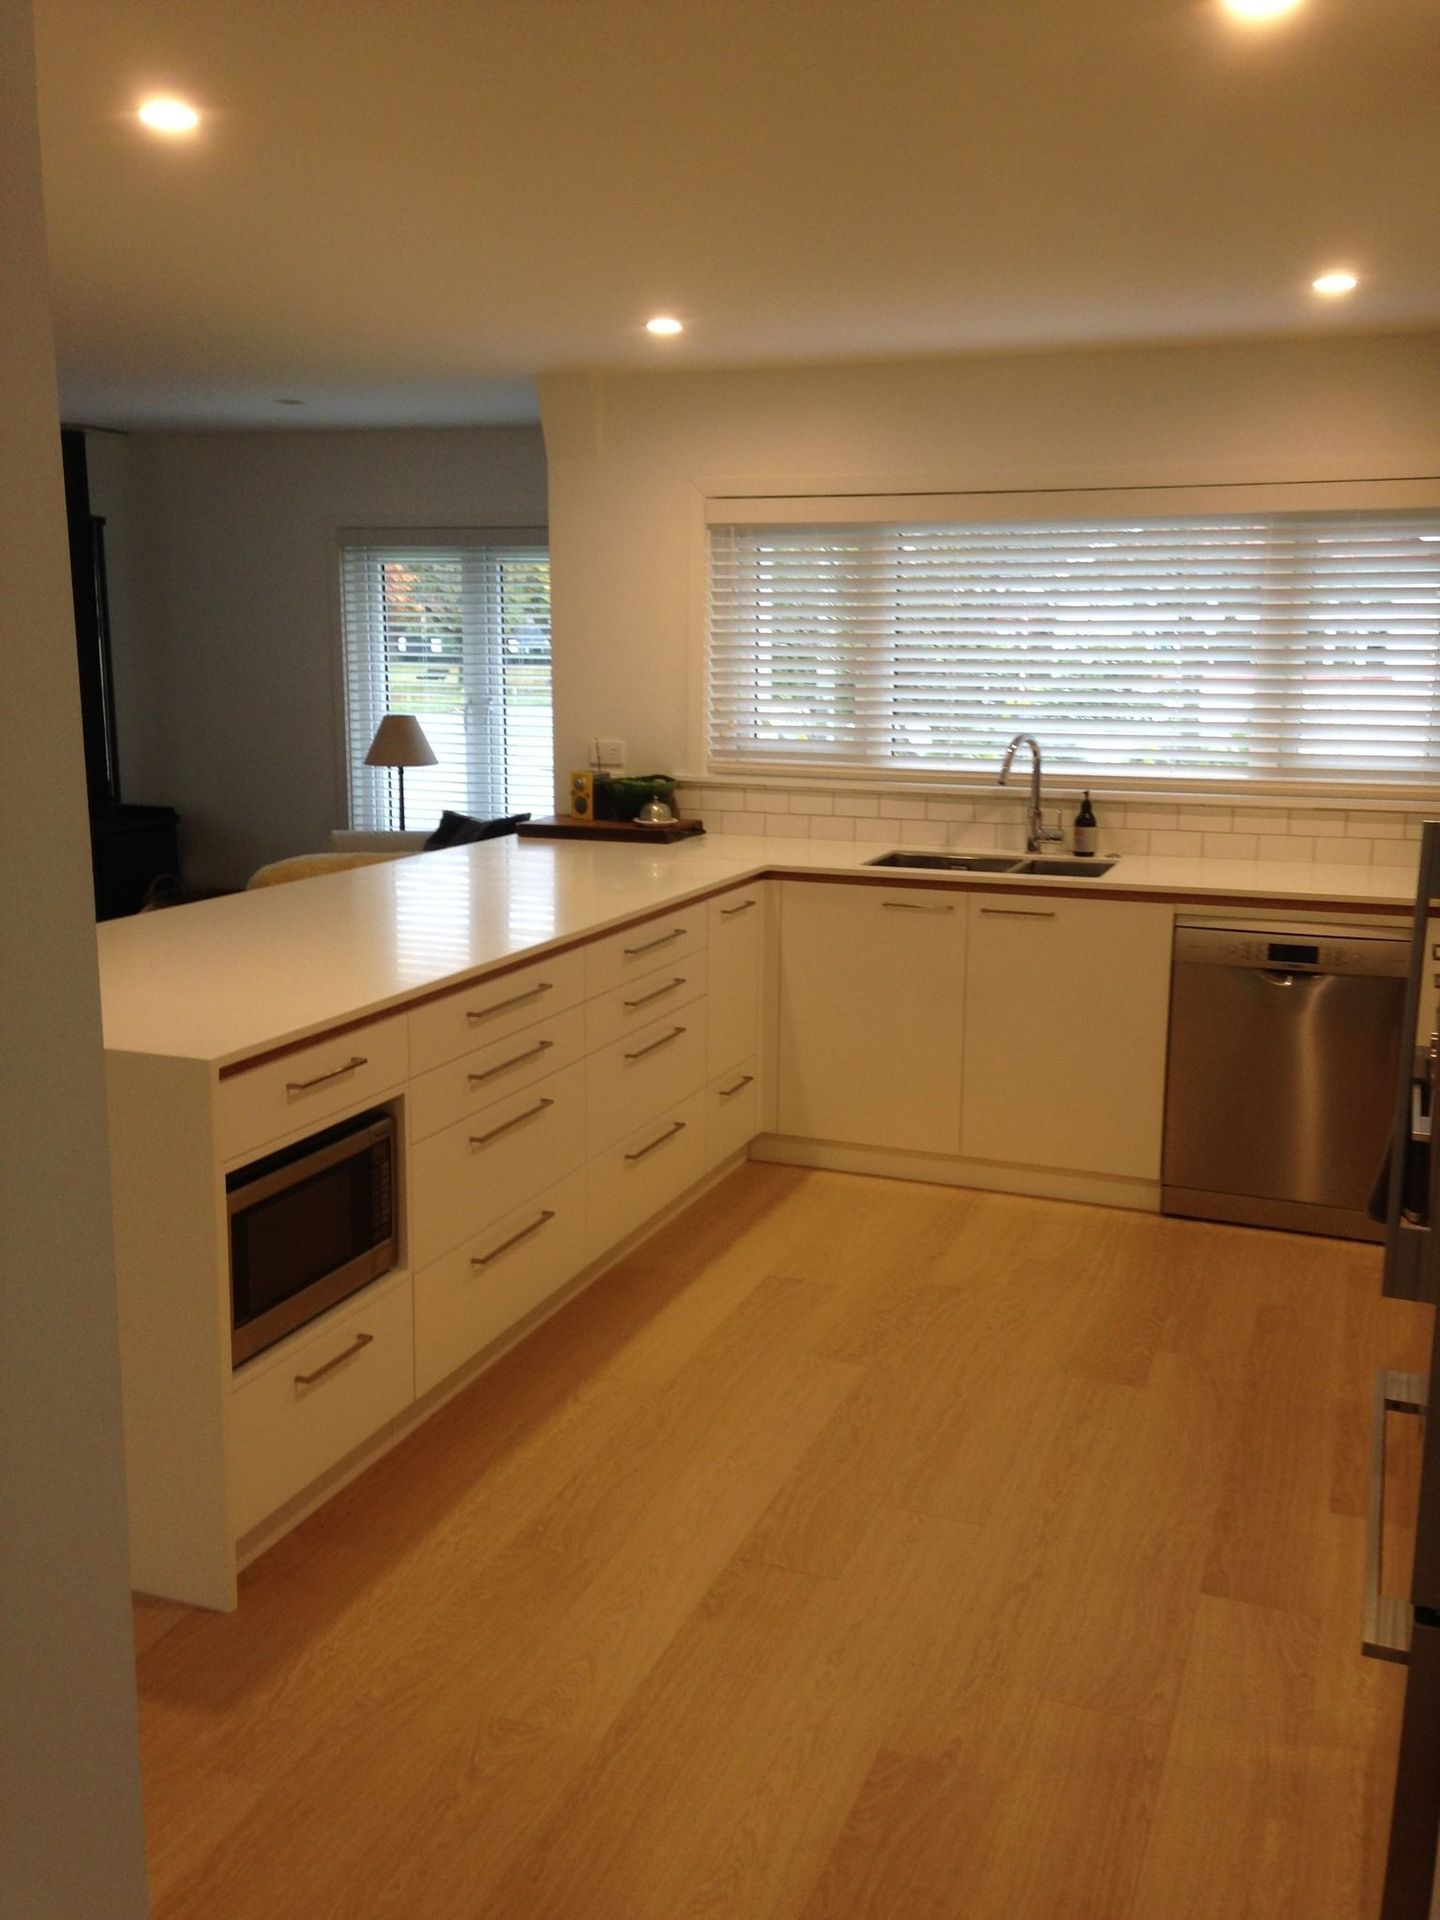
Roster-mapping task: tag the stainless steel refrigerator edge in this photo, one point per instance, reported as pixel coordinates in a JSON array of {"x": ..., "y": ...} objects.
[{"x": 1394, "y": 1628}]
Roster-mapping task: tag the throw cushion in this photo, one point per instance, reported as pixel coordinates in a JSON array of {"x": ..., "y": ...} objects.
[{"x": 459, "y": 829}]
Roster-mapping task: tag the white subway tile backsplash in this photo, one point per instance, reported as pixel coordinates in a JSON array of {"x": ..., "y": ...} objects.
[
  {"x": 787, "y": 826},
  {"x": 1376, "y": 826},
  {"x": 1334, "y": 851},
  {"x": 821, "y": 829},
  {"x": 901, "y": 806},
  {"x": 1230, "y": 846},
  {"x": 1123, "y": 840},
  {"x": 762, "y": 803},
  {"x": 1285, "y": 846},
  {"x": 949, "y": 810},
  {"x": 1256, "y": 822},
  {"x": 976, "y": 839},
  {"x": 1208, "y": 819},
  {"x": 812, "y": 803},
  {"x": 858, "y": 806},
  {"x": 921, "y": 833},
  {"x": 1180, "y": 842}
]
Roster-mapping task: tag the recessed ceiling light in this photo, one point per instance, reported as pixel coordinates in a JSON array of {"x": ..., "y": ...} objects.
[
  {"x": 164, "y": 115},
  {"x": 1337, "y": 282},
  {"x": 664, "y": 323},
  {"x": 1259, "y": 9}
]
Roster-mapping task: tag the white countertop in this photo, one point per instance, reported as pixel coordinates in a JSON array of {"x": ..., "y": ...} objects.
[{"x": 222, "y": 979}]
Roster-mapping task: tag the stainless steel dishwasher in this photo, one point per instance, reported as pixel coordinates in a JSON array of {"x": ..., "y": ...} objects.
[{"x": 1280, "y": 1088}]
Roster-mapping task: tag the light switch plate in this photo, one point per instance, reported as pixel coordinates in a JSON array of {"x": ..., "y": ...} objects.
[{"x": 609, "y": 754}]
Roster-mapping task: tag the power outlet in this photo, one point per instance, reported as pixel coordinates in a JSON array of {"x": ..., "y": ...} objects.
[{"x": 609, "y": 754}]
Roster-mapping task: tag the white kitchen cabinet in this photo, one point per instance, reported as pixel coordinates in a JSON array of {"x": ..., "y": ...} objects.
[
  {"x": 737, "y": 961},
  {"x": 872, "y": 1004},
  {"x": 1066, "y": 1009}
]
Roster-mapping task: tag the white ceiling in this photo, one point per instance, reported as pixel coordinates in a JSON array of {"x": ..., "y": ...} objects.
[{"x": 399, "y": 211}]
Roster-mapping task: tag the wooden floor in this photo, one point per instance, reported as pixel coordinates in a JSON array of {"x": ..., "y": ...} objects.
[{"x": 856, "y": 1549}]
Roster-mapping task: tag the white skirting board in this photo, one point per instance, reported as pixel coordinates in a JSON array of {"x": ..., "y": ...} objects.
[{"x": 942, "y": 1170}]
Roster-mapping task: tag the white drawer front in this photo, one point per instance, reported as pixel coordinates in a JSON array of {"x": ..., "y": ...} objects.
[
  {"x": 298, "y": 1410},
  {"x": 640, "y": 1175},
  {"x": 445, "y": 1094},
  {"x": 471, "y": 1296},
  {"x": 733, "y": 1109},
  {"x": 642, "y": 948},
  {"x": 315, "y": 1084},
  {"x": 479, "y": 1169},
  {"x": 638, "y": 1003},
  {"x": 643, "y": 1073},
  {"x": 491, "y": 1009},
  {"x": 736, "y": 951}
]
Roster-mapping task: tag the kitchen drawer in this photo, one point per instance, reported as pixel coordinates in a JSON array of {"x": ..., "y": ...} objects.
[
  {"x": 492, "y": 1009},
  {"x": 638, "y": 1003},
  {"x": 732, "y": 1112},
  {"x": 299, "y": 1409},
  {"x": 642, "y": 948},
  {"x": 736, "y": 948},
  {"x": 640, "y": 1175},
  {"x": 642, "y": 1074},
  {"x": 471, "y": 1296},
  {"x": 482, "y": 1167},
  {"x": 445, "y": 1094},
  {"x": 308, "y": 1088}
]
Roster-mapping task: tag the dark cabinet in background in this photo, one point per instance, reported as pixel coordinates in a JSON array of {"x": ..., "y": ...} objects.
[{"x": 130, "y": 846}]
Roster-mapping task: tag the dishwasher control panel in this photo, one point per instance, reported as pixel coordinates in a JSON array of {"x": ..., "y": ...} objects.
[{"x": 1291, "y": 949}]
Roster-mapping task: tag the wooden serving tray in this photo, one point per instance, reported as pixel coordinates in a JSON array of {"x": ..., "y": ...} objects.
[{"x": 565, "y": 826}]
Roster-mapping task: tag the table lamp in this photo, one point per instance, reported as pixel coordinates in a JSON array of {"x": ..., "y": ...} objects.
[{"x": 400, "y": 742}]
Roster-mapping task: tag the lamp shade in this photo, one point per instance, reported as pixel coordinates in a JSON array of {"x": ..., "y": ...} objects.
[{"x": 400, "y": 742}]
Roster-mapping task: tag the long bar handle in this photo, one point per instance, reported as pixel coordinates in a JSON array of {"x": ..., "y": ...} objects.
[
  {"x": 658, "y": 993},
  {"x": 1387, "y": 1619},
  {"x": 483, "y": 1139},
  {"x": 335, "y": 1073},
  {"x": 360, "y": 1342},
  {"x": 739, "y": 1086},
  {"x": 650, "y": 945},
  {"x": 541, "y": 1046},
  {"x": 655, "y": 1045},
  {"x": 1020, "y": 913},
  {"x": 660, "y": 1141},
  {"x": 912, "y": 906},
  {"x": 515, "y": 1000},
  {"x": 728, "y": 913},
  {"x": 485, "y": 1259}
]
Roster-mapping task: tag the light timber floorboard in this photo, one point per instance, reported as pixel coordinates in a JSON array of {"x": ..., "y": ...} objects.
[{"x": 854, "y": 1550}]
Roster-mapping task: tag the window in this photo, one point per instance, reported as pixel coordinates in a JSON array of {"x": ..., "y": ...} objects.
[
  {"x": 457, "y": 632},
  {"x": 1243, "y": 646}
]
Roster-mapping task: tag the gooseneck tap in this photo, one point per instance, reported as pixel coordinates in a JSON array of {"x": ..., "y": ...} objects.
[{"x": 1037, "y": 833}]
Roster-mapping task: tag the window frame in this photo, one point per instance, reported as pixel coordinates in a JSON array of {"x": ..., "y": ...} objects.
[
  {"x": 449, "y": 539},
  {"x": 734, "y": 505}
]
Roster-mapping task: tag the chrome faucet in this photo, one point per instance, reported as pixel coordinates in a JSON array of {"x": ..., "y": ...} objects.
[{"x": 1037, "y": 833}]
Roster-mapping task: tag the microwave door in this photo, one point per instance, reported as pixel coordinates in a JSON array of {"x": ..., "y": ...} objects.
[{"x": 1410, "y": 1247}]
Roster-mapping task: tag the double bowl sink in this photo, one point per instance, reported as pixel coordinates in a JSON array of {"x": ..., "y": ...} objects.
[{"x": 1089, "y": 869}]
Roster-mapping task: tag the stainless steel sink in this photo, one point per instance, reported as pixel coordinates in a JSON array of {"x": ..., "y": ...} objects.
[
  {"x": 949, "y": 862},
  {"x": 993, "y": 863},
  {"x": 1066, "y": 869}
]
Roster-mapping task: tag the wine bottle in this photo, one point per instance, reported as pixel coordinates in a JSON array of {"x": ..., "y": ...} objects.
[{"x": 1086, "y": 829}]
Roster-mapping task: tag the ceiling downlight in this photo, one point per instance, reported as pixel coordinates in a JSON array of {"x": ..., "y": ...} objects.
[{"x": 165, "y": 114}]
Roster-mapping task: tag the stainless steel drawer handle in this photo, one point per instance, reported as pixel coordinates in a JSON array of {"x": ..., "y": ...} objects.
[
  {"x": 335, "y": 1073},
  {"x": 912, "y": 906},
  {"x": 728, "y": 913},
  {"x": 658, "y": 994},
  {"x": 1387, "y": 1619},
  {"x": 1019, "y": 913},
  {"x": 541, "y": 1046},
  {"x": 485, "y": 1259},
  {"x": 650, "y": 945},
  {"x": 679, "y": 1127},
  {"x": 358, "y": 1345},
  {"x": 739, "y": 1086},
  {"x": 655, "y": 1045},
  {"x": 483, "y": 1139},
  {"x": 515, "y": 1000}
]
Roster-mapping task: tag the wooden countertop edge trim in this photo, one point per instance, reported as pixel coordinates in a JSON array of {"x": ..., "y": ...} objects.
[{"x": 949, "y": 883}]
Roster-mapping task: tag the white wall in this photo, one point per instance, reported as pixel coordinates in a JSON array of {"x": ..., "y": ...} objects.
[
  {"x": 70, "y": 1837},
  {"x": 243, "y": 659},
  {"x": 630, "y": 456}
]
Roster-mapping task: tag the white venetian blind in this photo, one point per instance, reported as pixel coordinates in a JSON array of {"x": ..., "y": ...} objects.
[
  {"x": 456, "y": 632},
  {"x": 1270, "y": 647}
]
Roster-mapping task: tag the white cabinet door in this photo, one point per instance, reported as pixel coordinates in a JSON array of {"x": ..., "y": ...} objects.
[
  {"x": 737, "y": 955},
  {"x": 872, "y": 983},
  {"x": 1066, "y": 1010}
]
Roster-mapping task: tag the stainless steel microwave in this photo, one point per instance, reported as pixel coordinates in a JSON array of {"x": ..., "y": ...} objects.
[{"x": 309, "y": 1225}]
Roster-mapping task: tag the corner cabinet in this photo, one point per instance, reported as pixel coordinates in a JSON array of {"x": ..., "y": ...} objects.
[
  {"x": 1066, "y": 1006},
  {"x": 872, "y": 1008}
]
